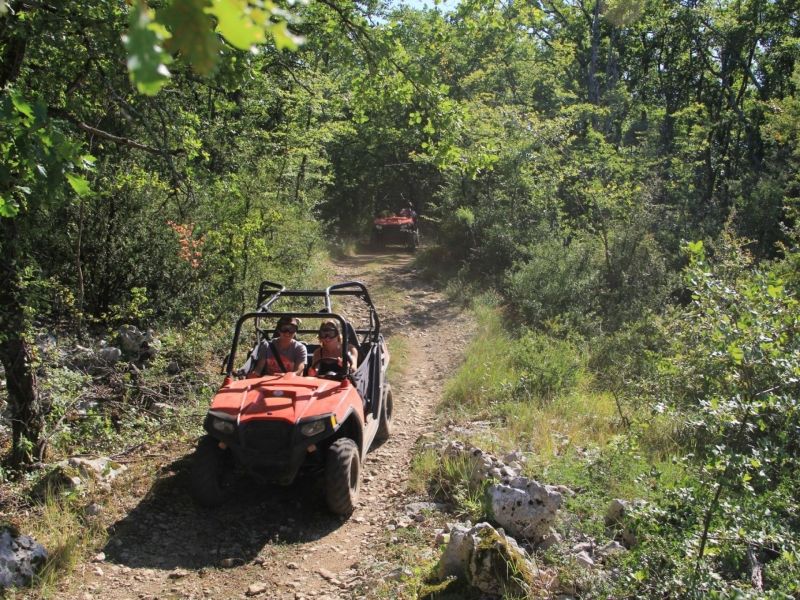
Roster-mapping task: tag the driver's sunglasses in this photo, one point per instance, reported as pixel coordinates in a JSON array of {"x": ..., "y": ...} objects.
[
  {"x": 327, "y": 335},
  {"x": 288, "y": 330}
]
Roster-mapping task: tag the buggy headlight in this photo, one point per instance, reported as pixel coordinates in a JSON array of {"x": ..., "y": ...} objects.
[
  {"x": 378, "y": 227},
  {"x": 313, "y": 428},
  {"x": 222, "y": 426}
]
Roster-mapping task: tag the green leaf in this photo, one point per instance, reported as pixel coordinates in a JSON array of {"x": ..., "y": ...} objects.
[
  {"x": 695, "y": 248},
  {"x": 736, "y": 353},
  {"x": 21, "y": 105},
  {"x": 146, "y": 59},
  {"x": 8, "y": 208},
  {"x": 192, "y": 33},
  {"x": 79, "y": 184},
  {"x": 284, "y": 39},
  {"x": 238, "y": 23},
  {"x": 774, "y": 291}
]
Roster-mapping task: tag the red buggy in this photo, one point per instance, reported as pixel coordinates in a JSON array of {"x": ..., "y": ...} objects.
[
  {"x": 276, "y": 426},
  {"x": 397, "y": 230}
]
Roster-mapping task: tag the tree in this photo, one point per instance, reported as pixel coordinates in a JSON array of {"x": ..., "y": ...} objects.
[{"x": 59, "y": 67}]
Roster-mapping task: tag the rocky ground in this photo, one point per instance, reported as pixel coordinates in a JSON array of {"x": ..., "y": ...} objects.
[{"x": 281, "y": 543}]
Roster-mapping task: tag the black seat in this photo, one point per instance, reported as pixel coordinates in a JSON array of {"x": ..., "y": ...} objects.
[
  {"x": 310, "y": 348},
  {"x": 352, "y": 338}
]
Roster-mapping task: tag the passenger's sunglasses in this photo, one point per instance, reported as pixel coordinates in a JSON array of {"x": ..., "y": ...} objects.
[
  {"x": 327, "y": 335},
  {"x": 288, "y": 329}
]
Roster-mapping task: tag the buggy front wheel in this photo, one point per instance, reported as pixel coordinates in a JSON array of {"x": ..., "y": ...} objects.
[
  {"x": 210, "y": 473},
  {"x": 342, "y": 476}
]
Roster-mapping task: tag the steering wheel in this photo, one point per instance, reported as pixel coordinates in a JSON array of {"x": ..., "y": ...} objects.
[{"x": 329, "y": 368}]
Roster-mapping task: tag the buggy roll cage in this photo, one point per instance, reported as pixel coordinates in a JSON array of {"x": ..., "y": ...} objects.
[{"x": 269, "y": 292}]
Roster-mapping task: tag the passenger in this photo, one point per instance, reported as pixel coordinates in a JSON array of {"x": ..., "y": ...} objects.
[
  {"x": 328, "y": 357},
  {"x": 283, "y": 354},
  {"x": 409, "y": 211}
]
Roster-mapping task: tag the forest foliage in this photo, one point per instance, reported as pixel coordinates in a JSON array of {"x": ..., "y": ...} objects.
[{"x": 623, "y": 173}]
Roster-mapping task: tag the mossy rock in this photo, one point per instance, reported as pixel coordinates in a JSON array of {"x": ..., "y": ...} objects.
[
  {"x": 498, "y": 567},
  {"x": 481, "y": 560},
  {"x": 452, "y": 588},
  {"x": 62, "y": 479}
]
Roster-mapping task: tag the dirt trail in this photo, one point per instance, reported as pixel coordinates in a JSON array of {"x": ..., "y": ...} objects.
[{"x": 281, "y": 543}]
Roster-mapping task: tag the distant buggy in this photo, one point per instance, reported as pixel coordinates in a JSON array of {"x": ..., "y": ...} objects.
[
  {"x": 276, "y": 426},
  {"x": 395, "y": 230}
]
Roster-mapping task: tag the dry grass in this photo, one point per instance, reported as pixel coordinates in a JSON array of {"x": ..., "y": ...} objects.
[
  {"x": 61, "y": 526},
  {"x": 545, "y": 426}
]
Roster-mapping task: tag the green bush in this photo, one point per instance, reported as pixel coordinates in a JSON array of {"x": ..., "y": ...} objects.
[
  {"x": 731, "y": 374},
  {"x": 547, "y": 366},
  {"x": 557, "y": 286}
]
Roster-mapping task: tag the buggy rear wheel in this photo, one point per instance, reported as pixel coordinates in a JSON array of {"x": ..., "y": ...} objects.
[
  {"x": 210, "y": 472},
  {"x": 387, "y": 410},
  {"x": 342, "y": 476}
]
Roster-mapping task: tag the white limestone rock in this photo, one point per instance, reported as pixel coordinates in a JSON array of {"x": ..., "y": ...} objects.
[
  {"x": 616, "y": 511},
  {"x": 110, "y": 354},
  {"x": 525, "y": 508}
]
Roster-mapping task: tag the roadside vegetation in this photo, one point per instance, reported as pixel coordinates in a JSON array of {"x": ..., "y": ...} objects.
[{"x": 697, "y": 437}]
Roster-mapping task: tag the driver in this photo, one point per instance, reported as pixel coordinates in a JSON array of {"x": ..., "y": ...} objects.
[
  {"x": 328, "y": 357},
  {"x": 283, "y": 354}
]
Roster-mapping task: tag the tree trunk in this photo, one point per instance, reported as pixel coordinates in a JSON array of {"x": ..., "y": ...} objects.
[
  {"x": 79, "y": 267},
  {"x": 593, "y": 84},
  {"x": 16, "y": 355},
  {"x": 13, "y": 47},
  {"x": 24, "y": 404}
]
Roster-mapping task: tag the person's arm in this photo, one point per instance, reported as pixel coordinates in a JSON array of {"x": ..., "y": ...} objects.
[
  {"x": 352, "y": 352},
  {"x": 257, "y": 369},
  {"x": 385, "y": 352}
]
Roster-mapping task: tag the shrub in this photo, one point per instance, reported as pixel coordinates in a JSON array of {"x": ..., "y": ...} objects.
[
  {"x": 547, "y": 366},
  {"x": 557, "y": 285},
  {"x": 732, "y": 371}
]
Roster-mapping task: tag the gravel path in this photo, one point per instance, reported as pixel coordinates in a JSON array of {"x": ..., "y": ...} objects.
[{"x": 281, "y": 543}]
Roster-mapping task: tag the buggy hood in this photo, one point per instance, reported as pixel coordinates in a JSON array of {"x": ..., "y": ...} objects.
[
  {"x": 286, "y": 397},
  {"x": 393, "y": 221}
]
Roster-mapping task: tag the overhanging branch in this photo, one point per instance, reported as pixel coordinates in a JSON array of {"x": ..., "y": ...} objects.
[{"x": 123, "y": 141}]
